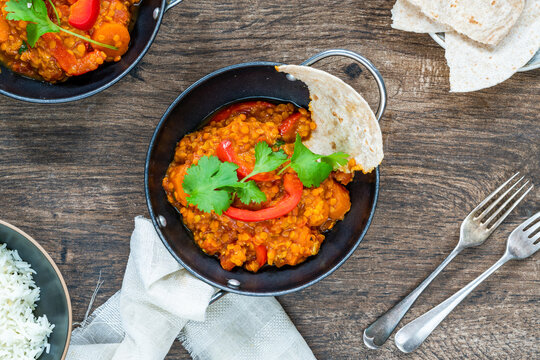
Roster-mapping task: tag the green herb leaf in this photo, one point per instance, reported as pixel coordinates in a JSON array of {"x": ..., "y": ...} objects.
[
  {"x": 211, "y": 183},
  {"x": 203, "y": 182},
  {"x": 247, "y": 192},
  {"x": 35, "y": 31},
  {"x": 35, "y": 12},
  {"x": 32, "y": 10},
  {"x": 24, "y": 47},
  {"x": 311, "y": 171},
  {"x": 37, "y": 15},
  {"x": 266, "y": 160},
  {"x": 55, "y": 13},
  {"x": 279, "y": 143},
  {"x": 336, "y": 159}
]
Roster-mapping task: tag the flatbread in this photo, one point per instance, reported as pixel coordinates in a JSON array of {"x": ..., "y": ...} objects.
[
  {"x": 408, "y": 17},
  {"x": 474, "y": 66},
  {"x": 486, "y": 21},
  {"x": 345, "y": 122}
]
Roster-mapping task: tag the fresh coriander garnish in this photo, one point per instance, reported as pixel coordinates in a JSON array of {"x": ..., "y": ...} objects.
[
  {"x": 35, "y": 12},
  {"x": 202, "y": 183},
  {"x": 336, "y": 159},
  {"x": 211, "y": 183},
  {"x": 279, "y": 143},
  {"x": 55, "y": 12},
  {"x": 266, "y": 160},
  {"x": 312, "y": 169},
  {"x": 24, "y": 47},
  {"x": 247, "y": 192}
]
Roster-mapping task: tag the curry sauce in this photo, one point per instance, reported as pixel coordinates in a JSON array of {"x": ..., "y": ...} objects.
[
  {"x": 58, "y": 55},
  {"x": 286, "y": 240}
]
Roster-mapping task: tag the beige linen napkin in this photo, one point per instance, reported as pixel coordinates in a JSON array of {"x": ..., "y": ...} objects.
[{"x": 160, "y": 301}]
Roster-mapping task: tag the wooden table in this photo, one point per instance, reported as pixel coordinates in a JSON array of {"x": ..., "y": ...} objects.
[{"x": 71, "y": 175}]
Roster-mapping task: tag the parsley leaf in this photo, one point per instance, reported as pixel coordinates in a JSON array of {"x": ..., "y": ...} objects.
[
  {"x": 336, "y": 159},
  {"x": 279, "y": 143},
  {"x": 211, "y": 183},
  {"x": 266, "y": 160},
  {"x": 35, "y": 12},
  {"x": 32, "y": 10},
  {"x": 202, "y": 183},
  {"x": 312, "y": 169},
  {"x": 24, "y": 47},
  {"x": 247, "y": 192},
  {"x": 35, "y": 31}
]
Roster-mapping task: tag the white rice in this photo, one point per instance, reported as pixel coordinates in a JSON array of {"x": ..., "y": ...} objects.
[{"x": 22, "y": 335}]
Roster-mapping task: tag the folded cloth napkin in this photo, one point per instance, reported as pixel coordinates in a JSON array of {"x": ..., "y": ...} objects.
[{"x": 160, "y": 301}]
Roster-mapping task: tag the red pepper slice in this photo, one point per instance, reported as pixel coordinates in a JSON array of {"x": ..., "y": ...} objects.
[
  {"x": 294, "y": 188},
  {"x": 287, "y": 126},
  {"x": 67, "y": 61},
  {"x": 225, "y": 152},
  {"x": 83, "y": 14},
  {"x": 260, "y": 251},
  {"x": 244, "y": 107}
]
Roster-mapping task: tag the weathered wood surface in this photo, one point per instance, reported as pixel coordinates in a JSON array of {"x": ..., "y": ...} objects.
[{"x": 72, "y": 175}]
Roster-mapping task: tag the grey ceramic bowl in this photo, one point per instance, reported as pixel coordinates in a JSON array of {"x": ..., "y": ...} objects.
[{"x": 54, "y": 298}]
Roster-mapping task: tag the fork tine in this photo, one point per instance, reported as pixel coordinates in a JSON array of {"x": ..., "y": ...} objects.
[
  {"x": 535, "y": 239},
  {"x": 533, "y": 228},
  {"x": 498, "y": 222},
  {"x": 530, "y": 220},
  {"x": 499, "y": 199},
  {"x": 492, "y": 195},
  {"x": 500, "y": 207}
]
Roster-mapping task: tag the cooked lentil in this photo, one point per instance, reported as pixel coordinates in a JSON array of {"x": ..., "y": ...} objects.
[
  {"x": 43, "y": 61},
  {"x": 288, "y": 240}
]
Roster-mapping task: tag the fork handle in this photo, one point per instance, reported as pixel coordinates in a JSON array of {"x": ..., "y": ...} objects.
[
  {"x": 378, "y": 332},
  {"x": 412, "y": 335}
]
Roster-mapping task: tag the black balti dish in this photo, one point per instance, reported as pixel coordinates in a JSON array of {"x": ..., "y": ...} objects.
[
  {"x": 257, "y": 80},
  {"x": 149, "y": 16}
]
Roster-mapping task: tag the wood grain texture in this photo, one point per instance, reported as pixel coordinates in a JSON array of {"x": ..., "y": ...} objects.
[{"x": 72, "y": 175}]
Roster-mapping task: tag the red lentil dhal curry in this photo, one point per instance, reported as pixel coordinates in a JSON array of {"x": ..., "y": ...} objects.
[
  {"x": 250, "y": 190},
  {"x": 288, "y": 225},
  {"x": 53, "y": 40}
]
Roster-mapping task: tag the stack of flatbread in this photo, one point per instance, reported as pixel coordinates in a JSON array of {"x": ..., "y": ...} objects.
[{"x": 487, "y": 41}]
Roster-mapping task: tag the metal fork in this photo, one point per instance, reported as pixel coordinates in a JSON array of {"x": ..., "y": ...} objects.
[
  {"x": 475, "y": 229},
  {"x": 520, "y": 245}
]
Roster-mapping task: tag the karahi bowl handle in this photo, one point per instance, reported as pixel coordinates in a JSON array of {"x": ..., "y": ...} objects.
[
  {"x": 217, "y": 295},
  {"x": 366, "y": 63},
  {"x": 171, "y": 3}
]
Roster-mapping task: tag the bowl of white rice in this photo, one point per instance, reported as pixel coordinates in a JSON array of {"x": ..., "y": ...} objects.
[{"x": 35, "y": 309}]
